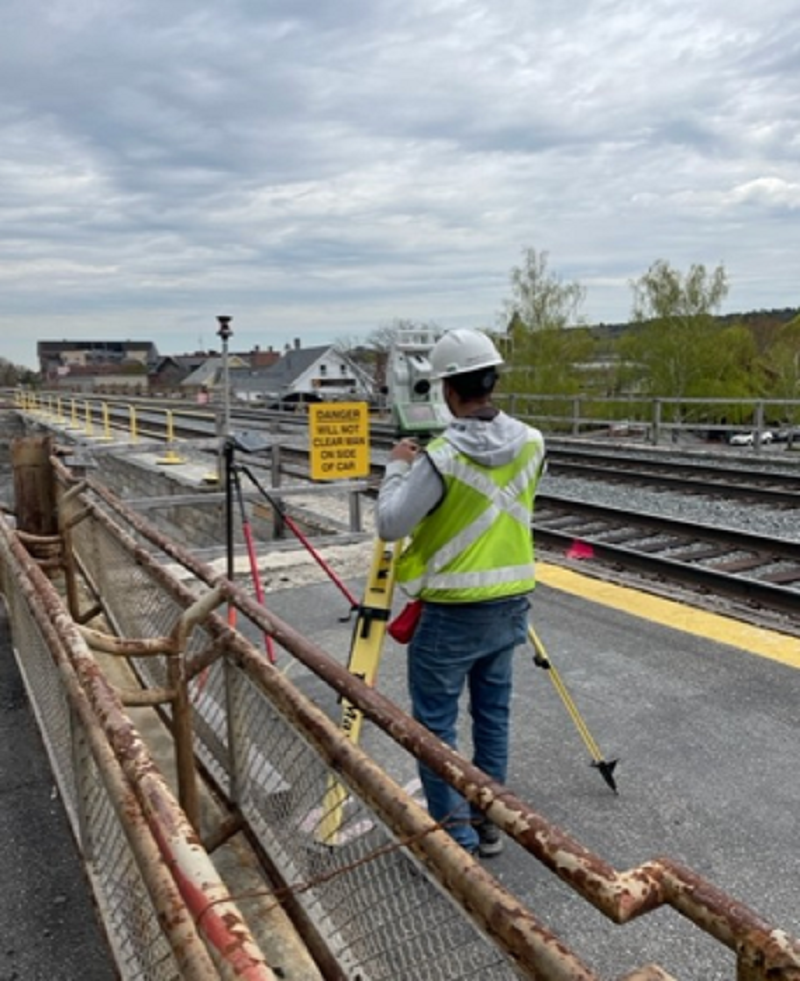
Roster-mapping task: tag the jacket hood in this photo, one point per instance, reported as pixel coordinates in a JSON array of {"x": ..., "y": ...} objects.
[{"x": 489, "y": 442}]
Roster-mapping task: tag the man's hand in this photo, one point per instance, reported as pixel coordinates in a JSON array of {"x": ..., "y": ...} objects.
[{"x": 406, "y": 450}]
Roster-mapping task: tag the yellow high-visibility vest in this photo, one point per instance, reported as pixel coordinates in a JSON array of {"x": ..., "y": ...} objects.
[{"x": 477, "y": 545}]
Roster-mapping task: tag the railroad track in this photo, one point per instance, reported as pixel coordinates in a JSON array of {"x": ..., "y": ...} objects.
[
  {"x": 775, "y": 486},
  {"x": 759, "y": 574},
  {"x": 754, "y": 576}
]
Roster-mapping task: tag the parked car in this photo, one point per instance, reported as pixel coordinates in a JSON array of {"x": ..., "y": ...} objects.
[{"x": 748, "y": 439}]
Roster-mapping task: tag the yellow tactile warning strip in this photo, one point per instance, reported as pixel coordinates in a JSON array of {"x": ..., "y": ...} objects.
[{"x": 735, "y": 633}]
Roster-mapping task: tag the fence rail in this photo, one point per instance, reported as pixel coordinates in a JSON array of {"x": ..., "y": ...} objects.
[{"x": 657, "y": 420}]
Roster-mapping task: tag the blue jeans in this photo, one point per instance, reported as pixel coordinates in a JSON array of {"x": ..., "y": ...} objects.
[{"x": 454, "y": 645}]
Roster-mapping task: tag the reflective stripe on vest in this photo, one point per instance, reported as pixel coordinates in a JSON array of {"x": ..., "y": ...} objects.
[{"x": 494, "y": 517}]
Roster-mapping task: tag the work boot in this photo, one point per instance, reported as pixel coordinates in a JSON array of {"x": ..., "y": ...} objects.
[{"x": 490, "y": 839}]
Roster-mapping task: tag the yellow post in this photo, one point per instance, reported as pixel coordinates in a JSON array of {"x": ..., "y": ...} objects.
[
  {"x": 89, "y": 428},
  {"x": 134, "y": 434},
  {"x": 106, "y": 422},
  {"x": 170, "y": 456}
]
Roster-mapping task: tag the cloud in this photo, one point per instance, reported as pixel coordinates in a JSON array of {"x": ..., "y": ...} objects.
[
  {"x": 767, "y": 193},
  {"x": 318, "y": 169}
]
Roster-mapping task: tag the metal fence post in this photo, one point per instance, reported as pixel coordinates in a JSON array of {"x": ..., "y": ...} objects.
[
  {"x": 656, "y": 421},
  {"x": 576, "y": 416}
]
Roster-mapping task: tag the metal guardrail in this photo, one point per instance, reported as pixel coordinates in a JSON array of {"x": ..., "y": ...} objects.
[
  {"x": 165, "y": 910},
  {"x": 656, "y": 420},
  {"x": 393, "y": 896},
  {"x": 273, "y": 754}
]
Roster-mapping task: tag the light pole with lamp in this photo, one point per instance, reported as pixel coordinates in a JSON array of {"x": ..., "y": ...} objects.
[
  {"x": 226, "y": 457},
  {"x": 225, "y": 333},
  {"x": 223, "y": 424}
]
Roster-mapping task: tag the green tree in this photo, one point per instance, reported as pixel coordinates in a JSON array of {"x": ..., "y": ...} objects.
[
  {"x": 674, "y": 349},
  {"x": 541, "y": 299},
  {"x": 781, "y": 370},
  {"x": 542, "y": 346},
  {"x": 549, "y": 362}
]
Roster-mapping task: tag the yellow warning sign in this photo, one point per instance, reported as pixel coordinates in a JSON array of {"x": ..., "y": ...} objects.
[{"x": 339, "y": 436}]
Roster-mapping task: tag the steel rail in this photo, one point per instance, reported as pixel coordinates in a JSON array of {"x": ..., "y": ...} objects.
[
  {"x": 675, "y": 549},
  {"x": 703, "y": 477}
]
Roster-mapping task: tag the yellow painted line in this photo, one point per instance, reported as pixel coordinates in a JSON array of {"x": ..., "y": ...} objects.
[{"x": 712, "y": 626}]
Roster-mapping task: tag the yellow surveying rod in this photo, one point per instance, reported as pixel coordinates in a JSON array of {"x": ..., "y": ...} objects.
[{"x": 542, "y": 660}]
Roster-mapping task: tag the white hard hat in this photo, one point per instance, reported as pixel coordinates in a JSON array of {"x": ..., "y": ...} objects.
[{"x": 462, "y": 350}]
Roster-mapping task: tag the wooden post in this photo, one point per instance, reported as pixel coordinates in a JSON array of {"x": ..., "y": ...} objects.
[{"x": 34, "y": 485}]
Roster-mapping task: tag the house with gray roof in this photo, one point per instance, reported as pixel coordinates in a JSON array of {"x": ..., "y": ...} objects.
[
  {"x": 208, "y": 376},
  {"x": 308, "y": 374}
]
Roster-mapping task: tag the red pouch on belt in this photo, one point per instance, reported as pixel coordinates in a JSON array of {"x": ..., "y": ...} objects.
[{"x": 405, "y": 623}]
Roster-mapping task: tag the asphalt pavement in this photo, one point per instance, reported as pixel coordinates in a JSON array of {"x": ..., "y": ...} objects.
[{"x": 49, "y": 929}]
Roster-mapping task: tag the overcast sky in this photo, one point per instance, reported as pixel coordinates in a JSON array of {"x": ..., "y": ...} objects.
[{"x": 318, "y": 170}]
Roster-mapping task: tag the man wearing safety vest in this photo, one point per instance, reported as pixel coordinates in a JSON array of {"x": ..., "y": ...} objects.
[{"x": 465, "y": 502}]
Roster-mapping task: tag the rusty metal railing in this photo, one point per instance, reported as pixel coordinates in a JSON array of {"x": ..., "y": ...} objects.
[
  {"x": 272, "y": 752},
  {"x": 165, "y": 909}
]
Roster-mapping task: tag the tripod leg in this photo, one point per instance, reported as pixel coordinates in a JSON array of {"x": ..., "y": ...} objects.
[
  {"x": 251, "y": 554},
  {"x": 542, "y": 660},
  {"x": 369, "y": 633},
  {"x": 295, "y": 530},
  {"x": 229, "y": 536}
]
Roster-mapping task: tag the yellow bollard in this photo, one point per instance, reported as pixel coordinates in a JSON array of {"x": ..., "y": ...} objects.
[
  {"x": 171, "y": 456},
  {"x": 106, "y": 423},
  {"x": 89, "y": 429},
  {"x": 134, "y": 433}
]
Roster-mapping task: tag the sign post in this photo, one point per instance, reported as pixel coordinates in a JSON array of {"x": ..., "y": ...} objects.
[{"x": 339, "y": 437}]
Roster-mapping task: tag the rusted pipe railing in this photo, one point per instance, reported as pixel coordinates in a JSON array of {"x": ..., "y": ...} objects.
[
  {"x": 221, "y": 924},
  {"x": 190, "y": 952},
  {"x": 621, "y": 896},
  {"x": 499, "y": 913},
  {"x": 182, "y": 729},
  {"x": 176, "y": 694}
]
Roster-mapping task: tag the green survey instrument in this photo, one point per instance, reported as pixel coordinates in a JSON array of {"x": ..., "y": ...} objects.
[{"x": 542, "y": 660}]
